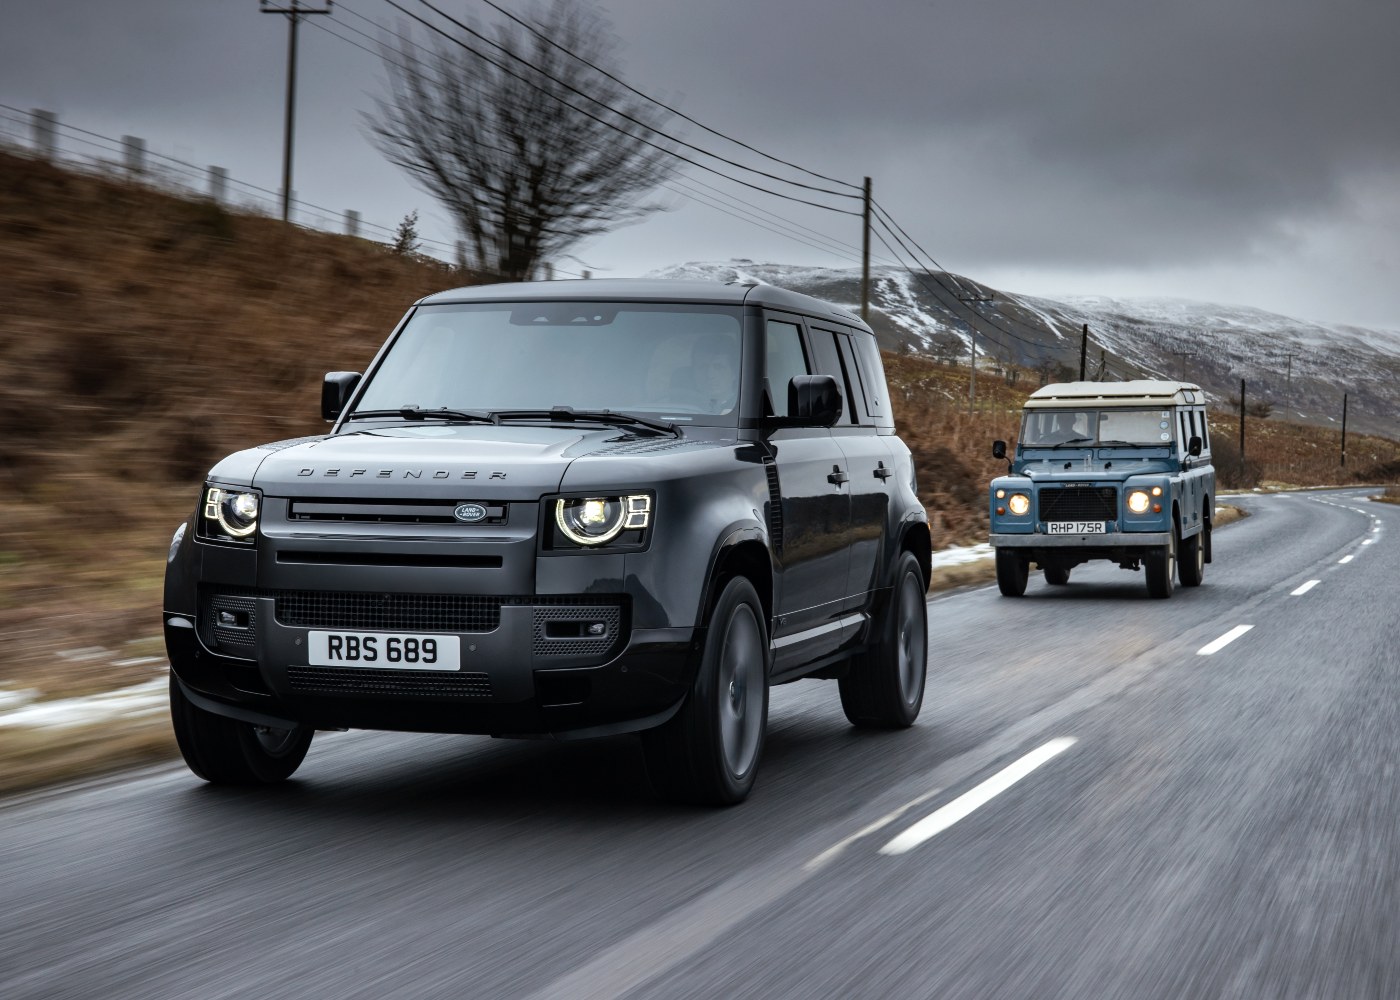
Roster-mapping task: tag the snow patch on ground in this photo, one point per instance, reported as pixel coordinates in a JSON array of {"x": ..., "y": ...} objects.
[
  {"x": 962, "y": 555},
  {"x": 19, "y": 709}
]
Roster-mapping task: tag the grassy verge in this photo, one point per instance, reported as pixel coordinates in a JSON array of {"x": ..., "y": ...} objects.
[{"x": 34, "y": 758}]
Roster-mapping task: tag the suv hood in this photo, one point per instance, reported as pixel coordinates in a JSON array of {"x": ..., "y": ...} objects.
[
  {"x": 1080, "y": 467},
  {"x": 427, "y": 460}
]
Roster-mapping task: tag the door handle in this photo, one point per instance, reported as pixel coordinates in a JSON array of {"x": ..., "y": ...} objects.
[
  {"x": 883, "y": 473},
  {"x": 837, "y": 477}
]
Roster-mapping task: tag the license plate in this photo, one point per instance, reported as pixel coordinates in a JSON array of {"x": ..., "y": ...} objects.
[
  {"x": 1074, "y": 527},
  {"x": 383, "y": 650}
]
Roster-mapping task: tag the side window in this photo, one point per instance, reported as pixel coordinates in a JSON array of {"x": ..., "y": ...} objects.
[
  {"x": 872, "y": 375},
  {"x": 1185, "y": 434},
  {"x": 1205, "y": 434},
  {"x": 783, "y": 358},
  {"x": 826, "y": 347}
]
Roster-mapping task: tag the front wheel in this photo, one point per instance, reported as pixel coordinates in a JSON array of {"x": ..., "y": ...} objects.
[
  {"x": 1161, "y": 569},
  {"x": 709, "y": 751},
  {"x": 1193, "y": 560},
  {"x": 884, "y": 687},
  {"x": 1012, "y": 572},
  {"x": 225, "y": 751}
]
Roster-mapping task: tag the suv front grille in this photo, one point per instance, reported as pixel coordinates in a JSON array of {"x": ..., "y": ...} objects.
[
  {"x": 1078, "y": 503},
  {"x": 354, "y": 681}
]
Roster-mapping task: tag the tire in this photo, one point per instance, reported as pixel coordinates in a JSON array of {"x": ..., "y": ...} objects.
[
  {"x": 1057, "y": 576},
  {"x": 884, "y": 686},
  {"x": 1161, "y": 569},
  {"x": 224, "y": 751},
  {"x": 708, "y": 753},
  {"x": 1012, "y": 572},
  {"x": 1192, "y": 569}
]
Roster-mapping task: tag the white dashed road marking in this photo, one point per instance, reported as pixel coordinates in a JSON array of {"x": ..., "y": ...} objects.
[
  {"x": 1223, "y": 641},
  {"x": 1305, "y": 588},
  {"x": 1346, "y": 559},
  {"x": 972, "y": 800}
]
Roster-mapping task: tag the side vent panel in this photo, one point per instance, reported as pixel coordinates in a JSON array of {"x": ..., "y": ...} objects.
[{"x": 775, "y": 505}]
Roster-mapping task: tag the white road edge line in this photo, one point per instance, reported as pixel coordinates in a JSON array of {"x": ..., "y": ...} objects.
[
  {"x": 1346, "y": 559},
  {"x": 973, "y": 799},
  {"x": 1305, "y": 588},
  {"x": 1223, "y": 641}
]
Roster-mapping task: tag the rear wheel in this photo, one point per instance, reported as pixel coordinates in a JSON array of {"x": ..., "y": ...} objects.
[
  {"x": 884, "y": 687},
  {"x": 1012, "y": 572},
  {"x": 709, "y": 751},
  {"x": 1057, "y": 576},
  {"x": 225, "y": 751},
  {"x": 1193, "y": 560},
  {"x": 1161, "y": 569}
]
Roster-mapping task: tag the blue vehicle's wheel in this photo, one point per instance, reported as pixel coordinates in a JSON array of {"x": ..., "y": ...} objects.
[
  {"x": 1013, "y": 570},
  {"x": 1161, "y": 569},
  {"x": 1193, "y": 560}
]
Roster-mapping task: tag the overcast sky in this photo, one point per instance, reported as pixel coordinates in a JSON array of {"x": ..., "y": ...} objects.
[{"x": 1236, "y": 151}]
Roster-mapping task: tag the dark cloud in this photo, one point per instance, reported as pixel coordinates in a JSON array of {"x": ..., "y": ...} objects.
[{"x": 1087, "y": 139}]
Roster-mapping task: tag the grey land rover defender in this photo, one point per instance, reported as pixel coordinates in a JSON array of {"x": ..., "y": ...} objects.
[{"x": 563, "y": 509}]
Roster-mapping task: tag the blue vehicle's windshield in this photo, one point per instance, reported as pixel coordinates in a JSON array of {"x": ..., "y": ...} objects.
[{"x": 1091, "y": 427}]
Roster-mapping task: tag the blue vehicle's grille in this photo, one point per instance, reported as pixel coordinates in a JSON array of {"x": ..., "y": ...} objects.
[{"x": 1078, "y": 503}]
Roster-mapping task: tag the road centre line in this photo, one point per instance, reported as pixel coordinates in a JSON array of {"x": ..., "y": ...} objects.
[
  {"x": 1305, "y": 588},
  {"x": 827, "y": 855},
  {"x": 970, "y": 801},
  {"x": 1223, "y": 641},
  {"x": 1346, "y": 559},
  {"x": 1368, "y": 541}
]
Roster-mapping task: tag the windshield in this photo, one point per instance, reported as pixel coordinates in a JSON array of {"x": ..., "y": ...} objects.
[
  {"x": 1090, "y": 427},
  {"x": 679, "y": 362}
]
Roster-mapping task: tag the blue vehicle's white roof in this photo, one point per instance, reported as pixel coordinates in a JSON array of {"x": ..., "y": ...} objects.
[{"x": 1137, "y": 392}]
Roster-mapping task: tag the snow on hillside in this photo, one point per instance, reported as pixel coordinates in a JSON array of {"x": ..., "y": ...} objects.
[{"x": 1298, "y": 365}]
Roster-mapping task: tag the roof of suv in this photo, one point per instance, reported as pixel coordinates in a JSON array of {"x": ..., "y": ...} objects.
[
  {"x": 1136, "y": 392},
  {"x": 645, "y": 290}
]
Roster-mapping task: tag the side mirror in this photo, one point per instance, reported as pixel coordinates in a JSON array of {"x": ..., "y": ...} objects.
[
  {"x": 336, "y": 391},
  {"x": 998, "y": 449},
  {"x": 1193, "y": 447},
  {"x": 814, "y": 400}
]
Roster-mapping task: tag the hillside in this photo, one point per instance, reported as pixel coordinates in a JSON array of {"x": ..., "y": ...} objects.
[
  {"x": 144, "y": 336},
  {"x": 1300, "y": 368}
]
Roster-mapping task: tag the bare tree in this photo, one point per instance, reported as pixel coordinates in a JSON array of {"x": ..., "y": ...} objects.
[{"x": 526, "y": 165}]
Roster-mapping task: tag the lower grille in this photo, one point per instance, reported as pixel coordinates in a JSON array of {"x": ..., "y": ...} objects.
[
  {"x": 1079, "y": 503},
  {"x": 391, "y": 612},
  {"x": 354, "y": 681}
]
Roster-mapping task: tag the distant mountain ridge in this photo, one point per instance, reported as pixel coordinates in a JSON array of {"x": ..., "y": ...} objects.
[{"x": 1213, "y": 345}]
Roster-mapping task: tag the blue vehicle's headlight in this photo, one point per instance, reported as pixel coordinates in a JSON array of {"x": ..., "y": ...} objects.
[{"x": 1019, "y": 503}]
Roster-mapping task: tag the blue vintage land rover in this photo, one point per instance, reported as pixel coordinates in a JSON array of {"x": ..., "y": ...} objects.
[{"x": 1106, "y": 470}]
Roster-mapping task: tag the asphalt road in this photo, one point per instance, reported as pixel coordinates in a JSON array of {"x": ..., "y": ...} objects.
[{"x": 1091, "y": 805}]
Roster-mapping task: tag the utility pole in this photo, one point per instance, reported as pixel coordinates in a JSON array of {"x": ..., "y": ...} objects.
[
  {"x": 1344, "y": 430},
  {"x": 1288, "y": 380},
  {"x": 1083, "y": 351},
  {"x": 865, "y": 255},
  {"x": 1183, "y": 355},
  {"x": 971, "y": 300},
  {"x": 1241, "y": 432},
  {"x": 294, "y": 14}
]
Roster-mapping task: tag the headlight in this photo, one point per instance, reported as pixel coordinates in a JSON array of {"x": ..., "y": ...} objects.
[
  {"x": 1019, "y": 503},
  {"x": 231, "y": 513},
  {"x": 1138, "y": 501},
  {"x": 597, "y": 520}
]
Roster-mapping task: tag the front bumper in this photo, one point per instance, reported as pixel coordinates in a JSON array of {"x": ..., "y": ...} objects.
[
  {"x": 1114, "y": 541},
  {"x": 515, "y": 678}
]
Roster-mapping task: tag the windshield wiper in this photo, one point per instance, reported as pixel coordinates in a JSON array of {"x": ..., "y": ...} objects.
[
  {"x": 567, "y": 414},
  {"x": 415, "y": 413},
  {"x": 1071, "y": 441}
]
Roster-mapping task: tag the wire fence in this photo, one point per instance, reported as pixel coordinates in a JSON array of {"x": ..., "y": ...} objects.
[{"x": 40, "y": 134}]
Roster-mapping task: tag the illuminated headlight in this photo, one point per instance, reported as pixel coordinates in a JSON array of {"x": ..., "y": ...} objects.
[
  {"x": 1138, "y": 501},
  {"x": 1019, "y": 503},
  {"x": 234, "y": 512},
  {"x": 596, "y": 520}
]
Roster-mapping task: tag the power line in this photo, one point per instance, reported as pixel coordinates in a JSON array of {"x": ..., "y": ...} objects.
[
  {"x": 679, "y": 114},
  {"x": 621, "y": 114}
]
